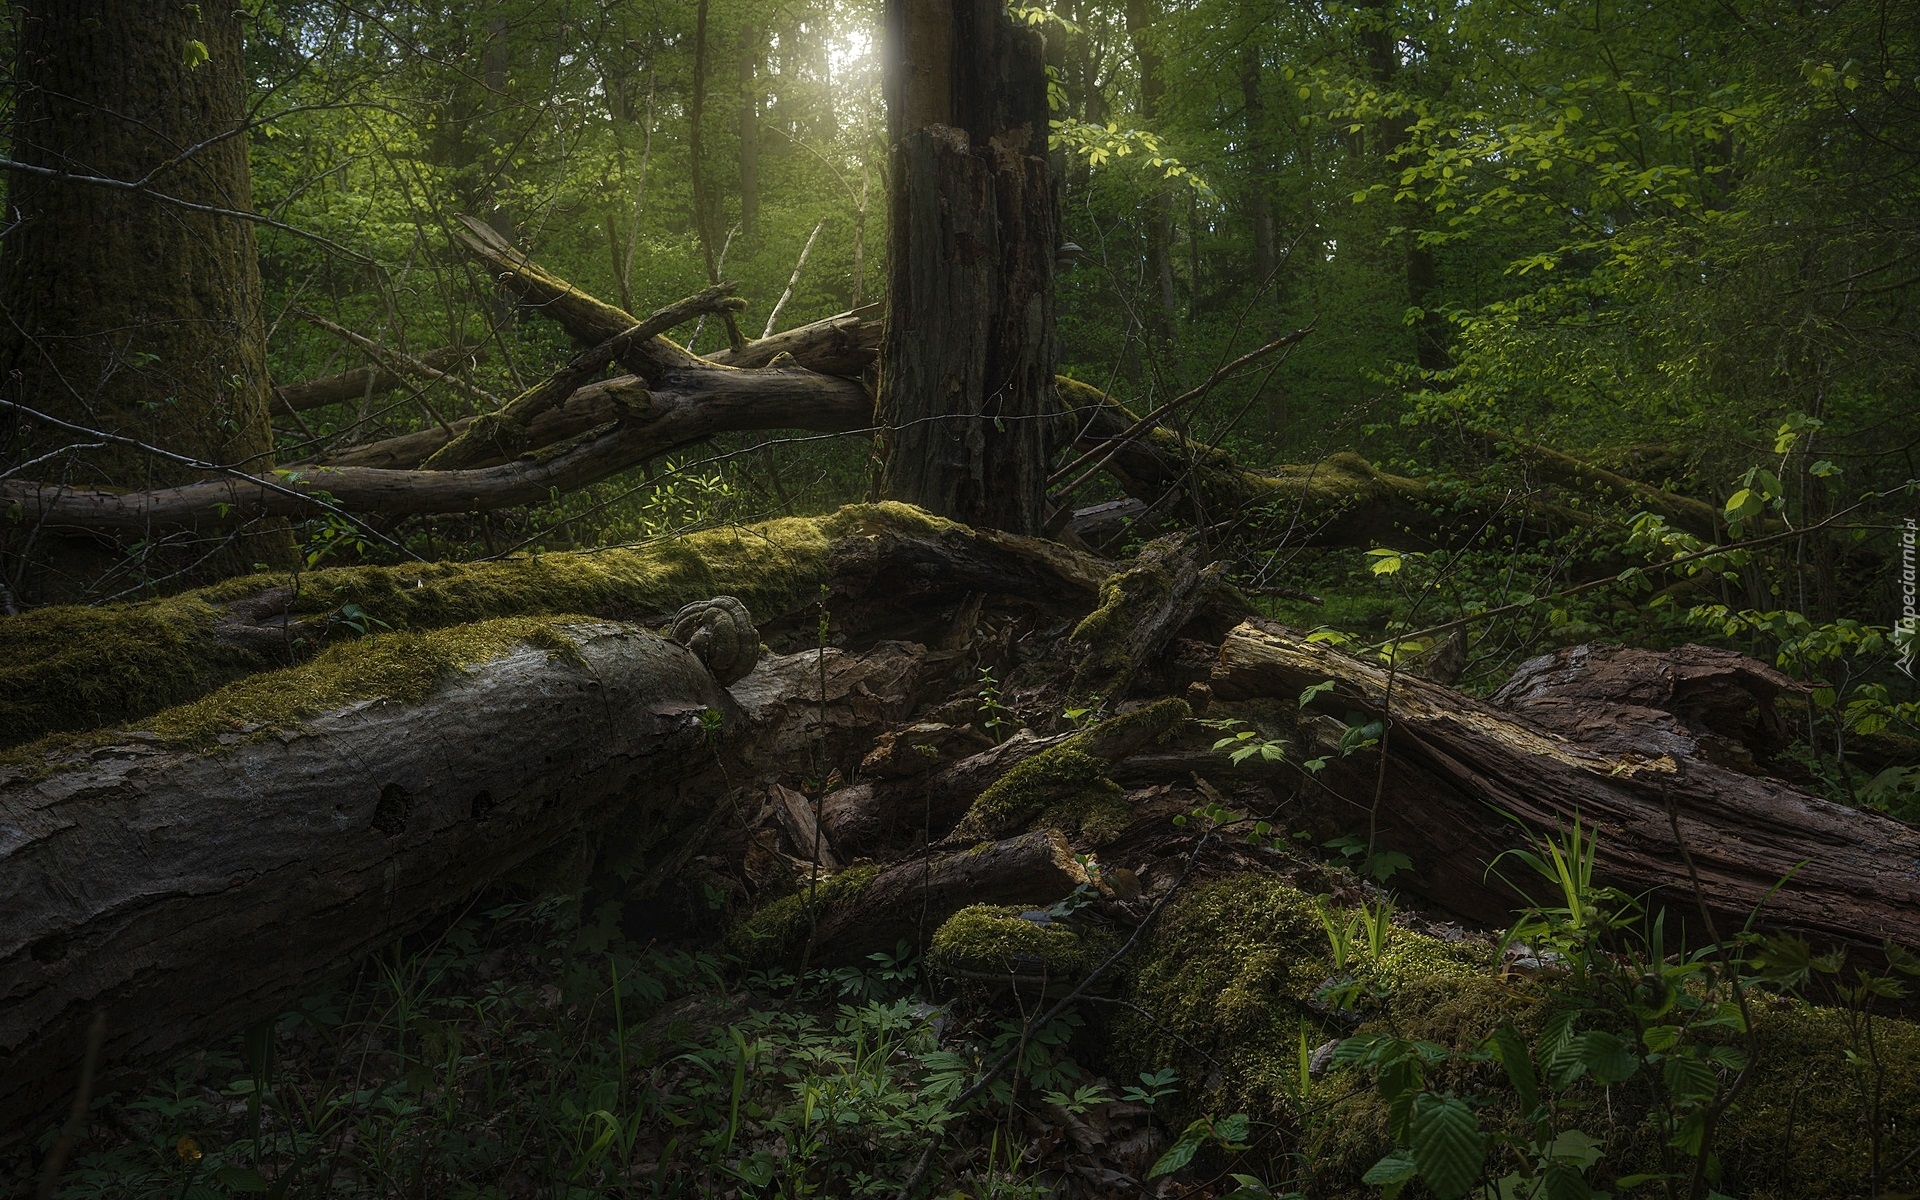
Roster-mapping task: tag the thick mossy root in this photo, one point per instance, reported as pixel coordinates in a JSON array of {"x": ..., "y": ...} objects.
[
  {"x": 779, "y": 931},
  {"x": 996, "y": 943},
  {"x": 73, "y": 668},
  {"x": 403, "y": 667},
  {"x": 1066, "y": 786},
  {"x": 1231, "y": 989},
  {"x": 1107, "y": 632}
]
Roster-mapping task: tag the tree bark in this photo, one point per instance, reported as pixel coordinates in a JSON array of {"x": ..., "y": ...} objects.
[
  {"x": 966, "y": 381},
  {"x": 1464, "y": 782},
  {"x": 128, "y": 313},
  {"x": 1259, "y": 166},
  {"x": 191, "y": 888},
  {"x": 750, "y": 56}
]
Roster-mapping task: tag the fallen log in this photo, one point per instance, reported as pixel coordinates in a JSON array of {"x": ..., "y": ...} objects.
[
  {"x": 359, "y": 382},
  {"x": 689, "y": 408},
  {"x": 204, "y": 872},
  {"x": 1464, "y": 782},
  {"x": 68, "y": 668},
  {"x": 594, "y": 406}
]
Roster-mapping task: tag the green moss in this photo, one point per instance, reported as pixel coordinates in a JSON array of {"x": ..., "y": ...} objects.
[
  {"x": 1107, "y": 631},
  {"x": 72, "y": 668},
  {"x": 989, "y": 940},
  {"x": 778, "y": 931},
  {"x": 400, "y": 667},
  {"x": 1066, "y": 787},
  {"x": 1800, "y": 1128},
  {"x": 76, "y": 668},
  {"x": 1230, "y": 968}
]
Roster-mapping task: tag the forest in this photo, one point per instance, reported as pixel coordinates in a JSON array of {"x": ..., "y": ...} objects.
[{"x": 1209, "y": 599}]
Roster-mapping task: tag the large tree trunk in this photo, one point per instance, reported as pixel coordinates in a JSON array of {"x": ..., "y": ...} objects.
[
  {"x": 128, "y": 313},
  {"x": 196, "y": 879},
  {"x": 1630, "y": 743},
  {"x": 966, "y": 380}
]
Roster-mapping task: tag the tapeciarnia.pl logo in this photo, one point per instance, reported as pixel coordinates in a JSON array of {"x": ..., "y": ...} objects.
[{"x": 1907, "y": 629}]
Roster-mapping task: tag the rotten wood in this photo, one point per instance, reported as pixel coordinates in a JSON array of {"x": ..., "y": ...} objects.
[{"x": 1464, "y": 782}]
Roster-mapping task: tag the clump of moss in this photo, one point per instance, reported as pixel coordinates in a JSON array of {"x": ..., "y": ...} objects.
[
  {"x": 1066, "y": 786},
  {"x": 778, "y": 931},
  {"x": 987, "y": 940},
  {"x": 74, "y": 668},
  {"x": 1804, "y": 1123},
  {"x": 70, "y": 667},
  {"x": 404, "y": 667},
  {"x": 1231, "y": 967}
]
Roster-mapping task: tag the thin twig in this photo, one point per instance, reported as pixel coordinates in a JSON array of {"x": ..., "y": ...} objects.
[{"x": 794, "y": 281}]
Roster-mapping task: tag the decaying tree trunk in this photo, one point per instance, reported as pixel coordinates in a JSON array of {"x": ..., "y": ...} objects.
[
  {"x": 966, "y": 382},
  {"x": 1464, "y": 782},
  {"x": 200, "y": 878}
]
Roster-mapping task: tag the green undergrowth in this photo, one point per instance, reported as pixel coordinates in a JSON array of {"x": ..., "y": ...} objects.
[
  {"x": 526, "y": 1052},
  {"x": 1246, "y": 984},
  {"x": 70, "y": 668}
]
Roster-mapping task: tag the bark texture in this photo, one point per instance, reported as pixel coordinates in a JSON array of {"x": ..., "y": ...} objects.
[
  {"x": 191, "y": 886},
  {"x": 966, "y": 382},
  {"x": 127, "y": 313},
  {"x": 1466, "y": 781}
]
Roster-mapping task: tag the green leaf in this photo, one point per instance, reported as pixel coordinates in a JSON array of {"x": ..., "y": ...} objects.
[
  {"x": 195, "y": 55},
  {"x": 1689, "y": 1080},
  {"x": 1580, "y": 1149},
  {"x": 1565, "y": 1181},
  {"x": 1318, "y": 689},
  {"x": 1233, "y": 1129},
  {"x": 1512, "y": 1053},
  {"x": 1395, "y": 1170},
  {"x": 1181, "y": 1152},
  {"x": 1448, "y": 1146},
  {"x": 1605, "y": 1056},
  {"x": 1743, "y": 504}
]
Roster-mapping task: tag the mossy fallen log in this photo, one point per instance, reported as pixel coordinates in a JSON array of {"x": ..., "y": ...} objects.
[
  {"x": 74, "y": 668},
  {"x": 208, "y": 869},
  {"x": 1464, "y": 782}
]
